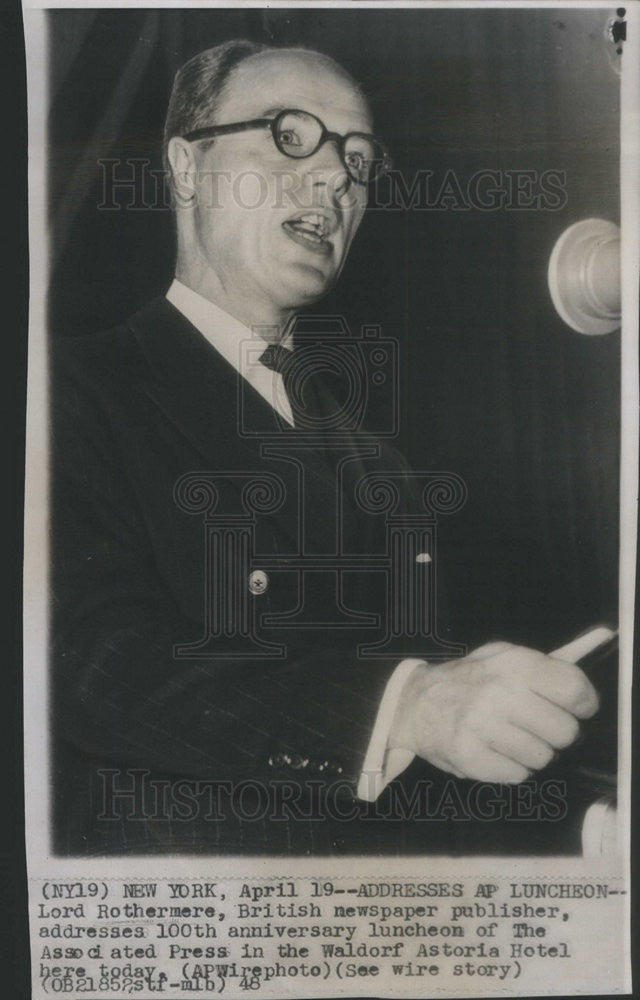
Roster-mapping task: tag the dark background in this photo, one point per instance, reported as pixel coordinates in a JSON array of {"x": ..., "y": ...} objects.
[{"x": 495, "y": 387}]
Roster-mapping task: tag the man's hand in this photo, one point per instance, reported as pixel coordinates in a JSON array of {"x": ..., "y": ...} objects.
[{"x": 496, "y": 715}]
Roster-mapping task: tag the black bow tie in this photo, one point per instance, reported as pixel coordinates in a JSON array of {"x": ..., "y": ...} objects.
[
  {"x": 298, "y": 381},
  {"x": 313, "y": 405},
  {"x": 277, "y": 358}
]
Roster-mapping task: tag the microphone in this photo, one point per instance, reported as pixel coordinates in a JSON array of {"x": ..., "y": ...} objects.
[{"x": 584, "y": 276}]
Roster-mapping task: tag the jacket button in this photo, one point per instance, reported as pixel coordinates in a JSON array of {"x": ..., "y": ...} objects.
[{"x": 258, "y": 581}]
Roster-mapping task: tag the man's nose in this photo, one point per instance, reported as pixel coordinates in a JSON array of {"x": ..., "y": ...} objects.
[{"x": 327, "y": 170}]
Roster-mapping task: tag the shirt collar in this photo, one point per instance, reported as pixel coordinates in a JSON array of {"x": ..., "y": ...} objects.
[{"x": 240, "y": 346}]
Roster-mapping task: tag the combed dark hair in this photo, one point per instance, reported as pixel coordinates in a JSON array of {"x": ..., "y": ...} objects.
[{"x": 198, "y": 85}]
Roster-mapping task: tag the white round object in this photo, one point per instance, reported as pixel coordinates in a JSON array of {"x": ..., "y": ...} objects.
[
  {"x": 258, "y": 582},
  {"x": 584, "y": 276}
]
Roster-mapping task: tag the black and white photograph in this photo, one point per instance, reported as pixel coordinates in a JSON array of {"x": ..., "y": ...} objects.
[{"x": 330, "y": 460}]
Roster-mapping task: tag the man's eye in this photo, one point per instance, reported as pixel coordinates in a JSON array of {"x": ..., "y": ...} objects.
[
  {"x": 290, "y": 138},
  {"x": 357, "y": 161}
]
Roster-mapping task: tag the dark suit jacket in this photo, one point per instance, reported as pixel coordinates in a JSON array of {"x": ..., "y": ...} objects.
[
  {"x": 133, "y": 411},
  {"x": 168, "y": 738}
]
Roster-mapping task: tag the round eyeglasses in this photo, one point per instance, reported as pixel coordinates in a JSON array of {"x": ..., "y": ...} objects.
[{"x": 299, "y": 134}]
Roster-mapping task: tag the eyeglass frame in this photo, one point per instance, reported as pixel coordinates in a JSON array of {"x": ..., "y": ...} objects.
[{"x": 210, "y": 131}]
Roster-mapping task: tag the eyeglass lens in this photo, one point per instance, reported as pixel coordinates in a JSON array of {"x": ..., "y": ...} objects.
[{"x": 299, "y": 134}]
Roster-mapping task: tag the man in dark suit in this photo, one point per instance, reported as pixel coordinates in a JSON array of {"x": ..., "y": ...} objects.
[{"x": 213, "y": 689}]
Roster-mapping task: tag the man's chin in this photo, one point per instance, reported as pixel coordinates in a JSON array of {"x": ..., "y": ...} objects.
[{"x": 309, "y": 284}]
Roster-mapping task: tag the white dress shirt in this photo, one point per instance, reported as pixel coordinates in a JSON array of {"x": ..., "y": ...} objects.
[{"x": 242, "y": 348}]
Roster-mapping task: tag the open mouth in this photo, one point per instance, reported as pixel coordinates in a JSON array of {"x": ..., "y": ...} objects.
[{"x": 311, "y": 230}]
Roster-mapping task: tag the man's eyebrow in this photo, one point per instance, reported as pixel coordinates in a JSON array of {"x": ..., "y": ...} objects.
[{"x": 272, "y": 111}]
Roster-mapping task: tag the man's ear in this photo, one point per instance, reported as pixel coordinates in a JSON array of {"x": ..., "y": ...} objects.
[{"x": 182, "y": 161}]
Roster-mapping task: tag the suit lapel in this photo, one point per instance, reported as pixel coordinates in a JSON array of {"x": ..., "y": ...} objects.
[
  {"x": 202, "y": 394},
  {"x": 197, "y": 389},
  {"x": 209, "y": 402}
]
